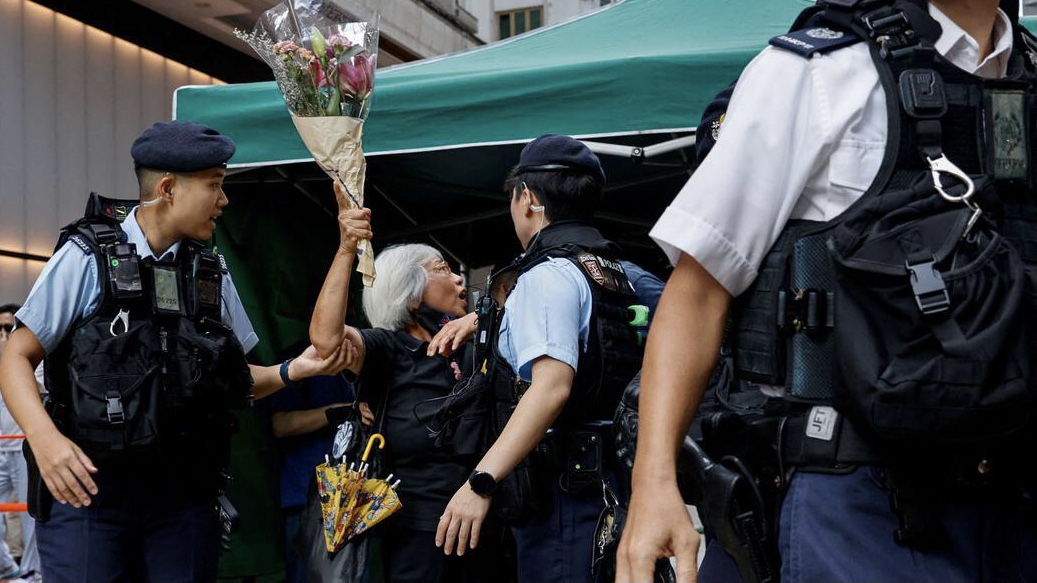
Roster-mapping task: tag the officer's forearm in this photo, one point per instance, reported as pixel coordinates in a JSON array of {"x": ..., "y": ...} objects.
[
  {"x": 536, "y": 411},
  {"x": 679, "y": 358},
  {"x": 266, "y": 380},
  {"x": 22, "y": 354}
]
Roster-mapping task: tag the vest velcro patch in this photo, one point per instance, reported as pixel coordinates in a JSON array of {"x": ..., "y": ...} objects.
[
  {"x": 81, "y": 244},
  {"x": 606, "y": 273},
  {"x": 814, "y": 40}
]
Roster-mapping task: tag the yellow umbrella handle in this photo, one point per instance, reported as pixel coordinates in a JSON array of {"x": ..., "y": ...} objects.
[{"x": 381, "y": 445}]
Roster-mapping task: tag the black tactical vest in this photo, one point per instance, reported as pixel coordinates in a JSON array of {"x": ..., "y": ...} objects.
[
  {"x": 911, "y": 313},
  {"x": 152, "y": 368},
  {"x": 613, "y": 353}
]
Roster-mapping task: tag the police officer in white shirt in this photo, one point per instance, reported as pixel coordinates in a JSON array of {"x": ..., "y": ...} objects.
[{"x": 822, "y": 122}]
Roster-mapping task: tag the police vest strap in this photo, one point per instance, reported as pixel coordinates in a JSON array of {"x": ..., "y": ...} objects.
[
  {"x": 104, "y": 234},
  {"x": 896, "y": 27}
]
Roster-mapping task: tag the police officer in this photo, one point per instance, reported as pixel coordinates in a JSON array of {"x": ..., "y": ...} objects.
[
  {"x": 136, "y": 482},
  {"x": 544, "y": 334},
  {"x": 822, "y": 123}
]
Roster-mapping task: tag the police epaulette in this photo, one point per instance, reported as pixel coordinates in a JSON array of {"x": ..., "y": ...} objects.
[
  {"x": 1030, "y": 43},
  {"x": 223, "y": 262},
  {"x": 817, "y": 39},
  {"x": 81, "y": 244}
]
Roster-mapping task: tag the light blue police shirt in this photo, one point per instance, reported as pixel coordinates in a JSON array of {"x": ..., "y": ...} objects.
[
  {"x": 68, "y": 289},
  {"x": 548, "y": 313}
]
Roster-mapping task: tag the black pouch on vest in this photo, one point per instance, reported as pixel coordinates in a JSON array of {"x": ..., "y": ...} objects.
[
  {"x": 39, "y": 499},
  {"x": 211, "y": 364},
  {"x": 933, "y": 313},
  {"x": 115, "y": 391}
]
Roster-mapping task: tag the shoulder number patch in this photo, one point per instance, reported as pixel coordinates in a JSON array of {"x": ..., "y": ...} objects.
[
  {"x": 811, "y": 41},
  {"x": 80, "y": 243}
]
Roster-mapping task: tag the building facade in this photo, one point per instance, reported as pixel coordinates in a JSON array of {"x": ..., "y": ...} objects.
[
  {"x": 80, "y": 80},
  {"x": 502, "y": 19}
]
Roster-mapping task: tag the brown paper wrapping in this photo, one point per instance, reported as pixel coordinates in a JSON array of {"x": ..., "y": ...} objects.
[{"x": 334, "y": 142}]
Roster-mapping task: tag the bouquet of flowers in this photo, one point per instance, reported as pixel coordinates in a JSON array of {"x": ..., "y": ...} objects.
[{"x": 324, "y": 66}]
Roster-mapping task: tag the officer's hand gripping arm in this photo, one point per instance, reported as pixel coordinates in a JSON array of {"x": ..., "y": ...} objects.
[{"x": 268, "y": 380}]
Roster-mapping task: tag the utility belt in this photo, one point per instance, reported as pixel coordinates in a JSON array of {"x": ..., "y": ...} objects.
[
  {"x": 577, "y": 459},
  {"x": 746, "y": 461}
]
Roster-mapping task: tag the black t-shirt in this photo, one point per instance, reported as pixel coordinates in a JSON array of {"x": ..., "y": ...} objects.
[{"x": 416, "y": 383}]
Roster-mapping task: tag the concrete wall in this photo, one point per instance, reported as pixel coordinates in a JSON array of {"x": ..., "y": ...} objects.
[{"x": 72, "y": 99}]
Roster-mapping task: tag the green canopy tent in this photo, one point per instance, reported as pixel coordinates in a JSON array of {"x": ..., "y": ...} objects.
[{"x": 443, "y": 132}]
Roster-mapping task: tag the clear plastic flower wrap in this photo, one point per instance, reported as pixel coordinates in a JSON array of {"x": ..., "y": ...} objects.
[{"x": 324, "y": 65}]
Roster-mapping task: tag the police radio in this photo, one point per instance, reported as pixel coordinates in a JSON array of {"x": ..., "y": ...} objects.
[{"x": 205, "y": 279}]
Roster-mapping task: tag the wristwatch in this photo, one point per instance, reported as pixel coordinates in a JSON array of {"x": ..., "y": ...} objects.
[{"x": 482, "y": 483}]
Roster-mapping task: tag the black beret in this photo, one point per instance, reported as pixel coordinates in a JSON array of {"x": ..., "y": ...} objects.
[
  {"x": 554, "y": 152},
  {"x": 181, "y": 146}
]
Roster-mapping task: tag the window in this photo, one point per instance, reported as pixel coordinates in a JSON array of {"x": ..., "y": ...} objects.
[{"x": 519, "y": 21}]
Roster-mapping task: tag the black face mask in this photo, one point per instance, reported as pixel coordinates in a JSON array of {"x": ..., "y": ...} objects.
[{"x": 431, "y": 319}]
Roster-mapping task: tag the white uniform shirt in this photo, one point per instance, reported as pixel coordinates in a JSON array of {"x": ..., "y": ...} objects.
[{"x": 802, "y": 139}]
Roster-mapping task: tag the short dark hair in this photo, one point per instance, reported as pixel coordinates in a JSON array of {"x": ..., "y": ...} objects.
[
  {"x": 565, "y": 194},
  {"x": 10, "y": 308}
]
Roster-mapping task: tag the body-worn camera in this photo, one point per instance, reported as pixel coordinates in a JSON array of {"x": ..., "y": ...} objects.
[
  {"x": 123, "y": 271},
  {"x": 205, "y": 281}
]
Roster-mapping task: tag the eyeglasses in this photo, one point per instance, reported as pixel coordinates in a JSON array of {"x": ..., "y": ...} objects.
[
  {"x": 8, "y": 328},
  {"x": 441, "y": 268}
]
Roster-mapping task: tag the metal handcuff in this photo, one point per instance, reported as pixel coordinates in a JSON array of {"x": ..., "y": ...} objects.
[{"x": 123, "y": 317}]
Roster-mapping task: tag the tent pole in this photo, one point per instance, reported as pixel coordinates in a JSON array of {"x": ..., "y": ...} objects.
[{"x": 638, "y": 153}]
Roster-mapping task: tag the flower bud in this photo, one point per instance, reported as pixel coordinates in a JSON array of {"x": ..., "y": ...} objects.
[{"x": 317, "y": 41}]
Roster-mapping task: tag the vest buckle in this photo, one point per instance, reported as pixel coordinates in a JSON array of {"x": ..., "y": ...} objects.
[
  {"x": 930, "y": 291},
  {"x": 805, "y": 310},
  {"x": 116, "y": 415}
]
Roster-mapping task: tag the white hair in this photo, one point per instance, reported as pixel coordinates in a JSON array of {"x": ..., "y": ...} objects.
[{"x": 399, "y": 285}]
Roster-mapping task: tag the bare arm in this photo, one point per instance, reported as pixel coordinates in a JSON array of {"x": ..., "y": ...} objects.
[
  {"x": 536, "y": 411},
  {"x": 329, "y": 313},
  {"x": 679, "y": 358},
  {"x": 63, "y": 465},
  {"x": 267, "y": 379}
]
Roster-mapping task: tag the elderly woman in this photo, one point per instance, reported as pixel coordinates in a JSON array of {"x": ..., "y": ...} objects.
[{"x": 414, "y": 296}]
